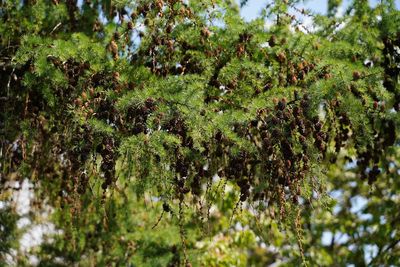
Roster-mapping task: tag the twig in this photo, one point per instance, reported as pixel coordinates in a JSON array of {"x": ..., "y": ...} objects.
[
  {"x": 158, "y": 221},
  {"x": 55, "y": 28},
  {"x": 9, "y": 82}
]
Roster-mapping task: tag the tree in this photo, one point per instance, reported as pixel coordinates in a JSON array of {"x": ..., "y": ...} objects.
[{"x": 175, "y": 133}]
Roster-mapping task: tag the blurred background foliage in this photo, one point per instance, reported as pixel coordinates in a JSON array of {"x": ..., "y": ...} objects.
[{"x": 175, "y": 133}]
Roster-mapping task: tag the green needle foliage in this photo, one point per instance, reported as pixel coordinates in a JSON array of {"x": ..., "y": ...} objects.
[{"x": 174, "y": 133}]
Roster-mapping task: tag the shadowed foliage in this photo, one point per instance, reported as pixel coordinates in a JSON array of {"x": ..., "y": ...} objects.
[{"x": 175, "y": 133}]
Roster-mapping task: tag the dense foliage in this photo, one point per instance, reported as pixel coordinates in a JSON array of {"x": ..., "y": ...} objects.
[{"x": 169, "y": 133}]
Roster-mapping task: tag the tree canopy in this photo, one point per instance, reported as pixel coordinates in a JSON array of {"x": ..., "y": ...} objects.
[{"x": 175, "y": 133}]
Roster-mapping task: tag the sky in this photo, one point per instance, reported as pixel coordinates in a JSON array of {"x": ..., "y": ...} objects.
[
  {"x": 35, "y": 235},
  {"x": 252, "y": 11},
  {"x": 253, "y": 7}
]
